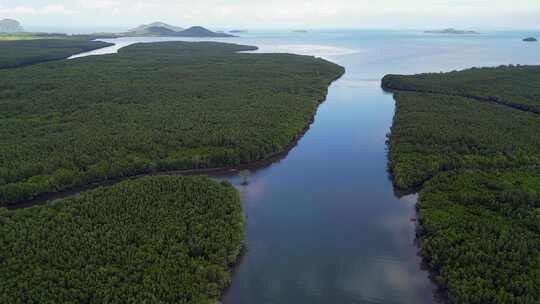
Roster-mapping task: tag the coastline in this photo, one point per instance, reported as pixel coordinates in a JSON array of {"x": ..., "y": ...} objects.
[{"x": 440, "y": 295}]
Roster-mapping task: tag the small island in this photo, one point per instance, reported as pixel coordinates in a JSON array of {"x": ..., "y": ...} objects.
[
  {"x": 451, "y": 31},
  {"x": 237, "y": 31},
  {"x": 530, "y": 39},
  {"x": 300, "y": 31}
]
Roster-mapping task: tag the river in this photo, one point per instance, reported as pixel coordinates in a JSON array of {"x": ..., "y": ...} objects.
[{"x": 324, "y": 224}]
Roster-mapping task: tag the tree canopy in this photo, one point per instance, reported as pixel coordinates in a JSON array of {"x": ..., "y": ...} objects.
[
  {"x": 152, "y": 240},
  {"x": 471, "y": 139},
  {"x": 26, "y": 52},
  {"x": 152, "y": 107}
]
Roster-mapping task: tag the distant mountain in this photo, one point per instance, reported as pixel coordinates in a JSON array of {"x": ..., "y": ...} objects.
[
  {"x": 199, "y": 31},
  {"x": 158, "y": 30},
  {"x": 530, "y": 39},
  {"x": 143, "y": 28},
  {"x": 452, "y": 31},
  {"x": 10, "y": 26}
]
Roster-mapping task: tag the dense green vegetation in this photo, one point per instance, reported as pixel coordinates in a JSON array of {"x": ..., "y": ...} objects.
[
  {"x": 153, "y": 240},
  {"x": 516, "y": 86},
  {"x": 162, "y": 106},
  {"x": 472, "y": 139},
  {"x": 481, "y": 235},
  {"x": 27, "y": 50},
  {"x": 433, "y": 133}
]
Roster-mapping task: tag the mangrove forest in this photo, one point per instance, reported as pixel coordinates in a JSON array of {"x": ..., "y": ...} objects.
[{"x": 470, "y": 139}]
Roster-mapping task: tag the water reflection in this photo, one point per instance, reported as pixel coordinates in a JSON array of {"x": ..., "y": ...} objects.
[{"x": 323, "y": 225}]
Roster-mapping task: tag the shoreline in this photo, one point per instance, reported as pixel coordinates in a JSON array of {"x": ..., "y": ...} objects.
[
  {"x": 47, "y": 197},
  {"x": 439, "y": 294},
  {"x": 233, "y": 268}
]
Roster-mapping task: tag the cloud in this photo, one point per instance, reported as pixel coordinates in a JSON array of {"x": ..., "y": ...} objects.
[
  {"x": 99, "y": 4},
  {"x": 285, "y": 13},
  {"x": 51, "y": 9},
  {"x": 144, "y": 6}
]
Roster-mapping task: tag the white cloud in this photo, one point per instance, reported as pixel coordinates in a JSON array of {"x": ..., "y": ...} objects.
[
  {"x": 51, "y": 9},
  {"x": 144, "y": 6},
  {"x": 99, "y": 4},
  {"x": 285, "y": 13}
]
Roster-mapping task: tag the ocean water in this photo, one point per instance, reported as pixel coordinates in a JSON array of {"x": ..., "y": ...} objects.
[{"x": 324, "y": 224}]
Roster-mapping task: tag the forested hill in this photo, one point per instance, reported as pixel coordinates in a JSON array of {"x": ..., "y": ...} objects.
[
  {"x": 516, "y": 86},
  {"x": 152, "y": 107},
  {"x": 153, "y": 240},
  {"x": 479, "y": 163},
  {"x": 26, "y": 52}
]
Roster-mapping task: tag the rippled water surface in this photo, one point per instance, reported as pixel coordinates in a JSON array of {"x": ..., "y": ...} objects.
[{"x": 324, "y": 224}]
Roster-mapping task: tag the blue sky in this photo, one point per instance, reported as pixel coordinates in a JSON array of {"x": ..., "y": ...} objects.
[{"x": 418, "y": 14}]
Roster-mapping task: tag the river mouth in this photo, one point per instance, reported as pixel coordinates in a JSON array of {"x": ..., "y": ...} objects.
[{"x": 323, "y": 222}]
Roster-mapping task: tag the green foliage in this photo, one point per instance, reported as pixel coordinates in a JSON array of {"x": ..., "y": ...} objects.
[
  {"x": 473, "y": 136},
  {"x": 481, "y": 235},
  {"x": 434, "y": 132},
  {"x": 515, "y": 86},
  {"x": 26, "y": 52},
  {"x": 153, "y": 240},
  {"x": 162, "y": 106}
]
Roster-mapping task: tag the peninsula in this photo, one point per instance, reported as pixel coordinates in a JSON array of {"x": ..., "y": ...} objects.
[{"x": 203, "y": 79}]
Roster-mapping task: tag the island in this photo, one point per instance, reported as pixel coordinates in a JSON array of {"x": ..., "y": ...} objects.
[
  {"x": 237, "y": 31},
  {"x": 469, "y": 140},
  {"x": 166, "y": 30},
  {"x": 300, "y": 31},
  {"x": 451, "y": 31},
  {"x": 530, "y": 39},
  {"x": 10, "y": 26}
]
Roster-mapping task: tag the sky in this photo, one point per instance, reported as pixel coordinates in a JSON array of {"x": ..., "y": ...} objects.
[{"x": 268, "y": 14}]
